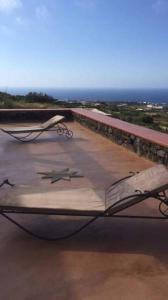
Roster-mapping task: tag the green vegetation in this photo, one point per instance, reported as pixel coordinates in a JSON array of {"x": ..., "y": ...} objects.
[
  {"x": 31, "y": 100},
  {"x": 139, "y": 114}
]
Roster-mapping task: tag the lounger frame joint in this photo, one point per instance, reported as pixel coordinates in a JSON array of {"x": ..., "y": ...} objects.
[{"x": 6, "y": 181}]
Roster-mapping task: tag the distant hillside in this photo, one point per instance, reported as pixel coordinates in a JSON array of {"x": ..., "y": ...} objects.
[
  {"x": 35, "y": 100},
  {"x": 31, "y": 100}
]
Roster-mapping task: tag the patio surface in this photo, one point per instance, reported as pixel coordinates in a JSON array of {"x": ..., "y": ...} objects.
[{"x": 112, "y": 259}]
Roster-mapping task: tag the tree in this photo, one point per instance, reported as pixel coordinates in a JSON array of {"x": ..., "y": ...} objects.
[
  {"x": 147, "y": 119},
  {"x": 38, "y": 97}
]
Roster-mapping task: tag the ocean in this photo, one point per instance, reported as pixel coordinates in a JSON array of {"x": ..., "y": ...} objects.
[{"x": 89, "y": 94}]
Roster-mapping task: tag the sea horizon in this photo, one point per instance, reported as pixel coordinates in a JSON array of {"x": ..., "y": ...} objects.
[{"x": 153, "y": 95}]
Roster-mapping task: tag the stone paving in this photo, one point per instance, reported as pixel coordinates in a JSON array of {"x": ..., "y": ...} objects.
[{"x": 112, "y": 259}]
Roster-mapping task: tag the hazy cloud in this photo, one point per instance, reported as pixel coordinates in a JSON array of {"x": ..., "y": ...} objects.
[
  {"x": 160, "y": 6},
  {"x": 7, "y": 6},
  {"x": 42, "y": 12}
]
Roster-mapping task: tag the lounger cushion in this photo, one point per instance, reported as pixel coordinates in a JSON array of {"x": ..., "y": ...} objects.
[
  {"x": 22, "y": 129},
  {"x": 51, "y": 122},
  {"x": 85, "y": 201}
]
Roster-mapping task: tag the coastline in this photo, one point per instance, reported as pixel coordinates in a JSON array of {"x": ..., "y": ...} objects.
[{"x": 138, "y": 95}]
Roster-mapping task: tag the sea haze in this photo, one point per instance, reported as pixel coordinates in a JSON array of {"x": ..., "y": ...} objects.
[{"x": 138, "y": 95}]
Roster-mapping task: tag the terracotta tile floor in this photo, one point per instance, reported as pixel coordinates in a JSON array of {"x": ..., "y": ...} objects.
[{"x": 112, "y": 259}]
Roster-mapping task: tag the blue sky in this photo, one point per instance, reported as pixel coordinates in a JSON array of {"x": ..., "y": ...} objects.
[{"x": 84, "y": 43}]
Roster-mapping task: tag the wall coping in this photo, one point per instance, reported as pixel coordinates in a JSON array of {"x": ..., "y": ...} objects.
[
  {"x": 151, "y": 135},
  {"x": 33, "y": 109}
]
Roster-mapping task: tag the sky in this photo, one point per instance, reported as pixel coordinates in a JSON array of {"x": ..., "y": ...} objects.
[{"x": 84, "y": 43}]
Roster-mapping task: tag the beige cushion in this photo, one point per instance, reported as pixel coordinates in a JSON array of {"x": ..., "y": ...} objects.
[
  {"x": 76, "y": 201},
  {"x": 23, "y": 129},
  {"x": 51, "y": 122}
]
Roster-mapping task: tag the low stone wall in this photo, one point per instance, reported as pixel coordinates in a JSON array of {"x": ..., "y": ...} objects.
[
  {"x": 142, "y": 147},
  {"x": 145, "y": 142},
  {"x": 32, "y": 115}
]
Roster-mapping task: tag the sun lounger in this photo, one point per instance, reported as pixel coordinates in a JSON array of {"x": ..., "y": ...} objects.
[
  {"x": 27, "y": 134},
  {"x": 150, "y": 183}
]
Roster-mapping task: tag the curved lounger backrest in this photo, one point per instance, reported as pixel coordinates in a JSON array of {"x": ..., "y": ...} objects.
[
  {"x": 153, "y": 180},
  {"x": 51, "y": 122}
]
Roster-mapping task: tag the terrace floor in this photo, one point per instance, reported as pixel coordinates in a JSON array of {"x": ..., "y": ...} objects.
[{"x": 112, "y": 259}]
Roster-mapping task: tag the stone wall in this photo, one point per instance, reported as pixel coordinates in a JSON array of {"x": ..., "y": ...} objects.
[
  {"x": 32, "y": 115},
  {"x": 142, "y": 147}
]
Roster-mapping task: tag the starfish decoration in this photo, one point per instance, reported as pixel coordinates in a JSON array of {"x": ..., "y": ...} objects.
[{"x": 65, "y": 174}]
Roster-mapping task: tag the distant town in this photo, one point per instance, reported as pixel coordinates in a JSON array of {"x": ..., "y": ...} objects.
[{"x": 151, "y": 115}]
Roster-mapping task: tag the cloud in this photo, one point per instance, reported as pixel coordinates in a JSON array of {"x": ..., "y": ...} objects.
[
  {"x": 7, "y": 6},
  {"x": 42, "y": 12},
  {"x": 160, "y": 6}
]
